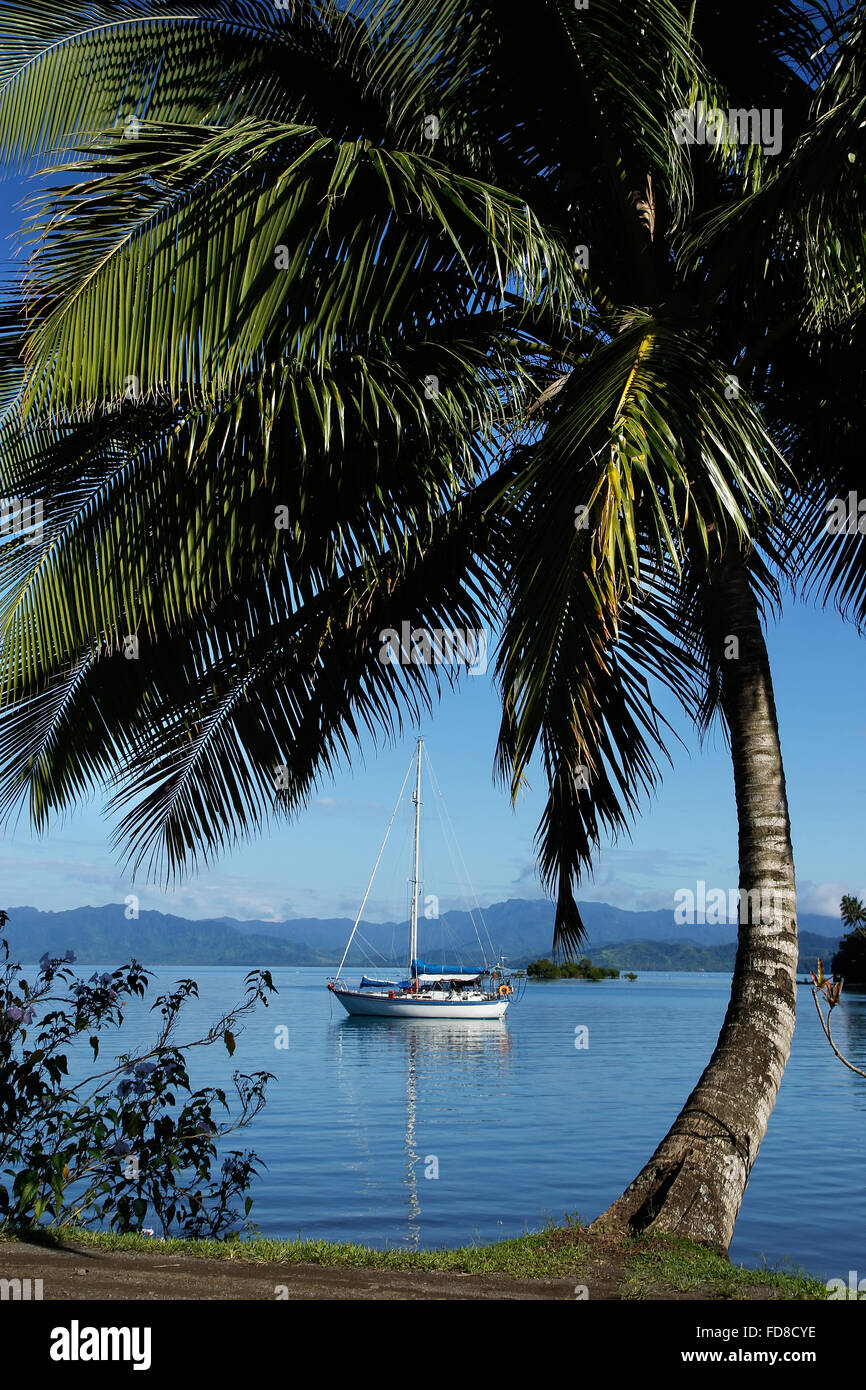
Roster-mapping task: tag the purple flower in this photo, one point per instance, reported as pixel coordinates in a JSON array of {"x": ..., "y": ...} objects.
[
  {"x": 93, "y": 979},
  {"x": 145, "y": 1068},
  {"x": 106, "y": 978},
  {"x": 70, "y": 956},
  {"x": 124, "y": 1089},
  {"x": 17, "y": 1015},
  {"x": 45, "y": 960},
  {"x": 120, "y": 1148}
]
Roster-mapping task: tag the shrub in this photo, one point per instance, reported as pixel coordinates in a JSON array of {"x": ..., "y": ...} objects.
[
  {"x": 128, "y": 1143},
  {"x": 543, "y": 969}
]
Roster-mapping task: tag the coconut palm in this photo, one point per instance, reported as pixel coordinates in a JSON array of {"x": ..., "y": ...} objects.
[
  {"x": 443, "y": 295},
  {"x": 780, "y": 268}
]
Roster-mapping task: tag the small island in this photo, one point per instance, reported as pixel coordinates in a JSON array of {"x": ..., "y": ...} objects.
[{"x": 582, "y": 969}]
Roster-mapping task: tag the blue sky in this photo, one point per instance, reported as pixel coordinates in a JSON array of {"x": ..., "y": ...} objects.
[{"x": 319, "y": 864}]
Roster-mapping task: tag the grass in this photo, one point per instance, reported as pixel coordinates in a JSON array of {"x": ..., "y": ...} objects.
[
  {"x": 654, "y": 1266},
  {"x": 686, "y": 1267}
]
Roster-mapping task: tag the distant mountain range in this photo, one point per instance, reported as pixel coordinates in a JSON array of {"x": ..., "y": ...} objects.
[
  {"x": 666, "y": 955},
  {"x": 521, "y": 929}
]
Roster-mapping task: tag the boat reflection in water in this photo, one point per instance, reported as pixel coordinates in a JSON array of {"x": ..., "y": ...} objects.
[{"x": 472, "y": 1044}]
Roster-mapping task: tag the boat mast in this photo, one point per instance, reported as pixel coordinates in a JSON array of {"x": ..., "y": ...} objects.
[{"x": 413, "y": 921}]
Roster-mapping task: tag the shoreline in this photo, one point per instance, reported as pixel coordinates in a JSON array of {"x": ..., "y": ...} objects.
[{"x": 558, "y": 1263}]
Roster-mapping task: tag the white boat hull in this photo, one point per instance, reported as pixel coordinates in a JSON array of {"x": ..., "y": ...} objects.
[{"x": 418, "y": 1006}]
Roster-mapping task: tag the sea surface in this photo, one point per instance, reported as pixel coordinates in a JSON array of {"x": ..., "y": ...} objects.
[{"x": 416, "y": 1135}]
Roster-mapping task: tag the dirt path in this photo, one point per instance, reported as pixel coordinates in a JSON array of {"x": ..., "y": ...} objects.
[{"x": 76, "y": 1271}]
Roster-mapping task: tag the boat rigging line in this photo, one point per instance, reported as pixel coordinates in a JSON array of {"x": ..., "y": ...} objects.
[
  {"x": 375, "y": 867},
  {"x": 441, "y": 809}
]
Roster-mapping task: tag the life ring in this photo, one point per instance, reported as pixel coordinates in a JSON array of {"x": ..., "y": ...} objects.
[
  {"x": 390, "y": 994},
  {"x": 503, "y": 989}
]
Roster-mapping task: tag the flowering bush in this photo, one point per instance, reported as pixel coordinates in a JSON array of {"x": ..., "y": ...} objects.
[{"x": 128, "y": 1144}]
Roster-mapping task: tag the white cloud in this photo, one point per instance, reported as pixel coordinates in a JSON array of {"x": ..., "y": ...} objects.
[{"x": 824, "y": 898}]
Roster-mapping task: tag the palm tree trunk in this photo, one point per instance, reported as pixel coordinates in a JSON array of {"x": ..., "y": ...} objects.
[{"x": 694, "y": 1183}]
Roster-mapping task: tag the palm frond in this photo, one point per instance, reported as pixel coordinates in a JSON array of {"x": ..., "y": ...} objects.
[
  {"x": 578, "y": 685},
  {"x": 151, "y": 515},
  {"x": 210, "y": 250},
  {"x": 192, "y": 730},
  {"x": 71, "y": 71}
]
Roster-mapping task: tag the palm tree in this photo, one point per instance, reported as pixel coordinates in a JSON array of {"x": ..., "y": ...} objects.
[
  {"x": 460, "y": 317},
  {"x": 792, "y": 247},
  {"x": 850, "y": 959}
]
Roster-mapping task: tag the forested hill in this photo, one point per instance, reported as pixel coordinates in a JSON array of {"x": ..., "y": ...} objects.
[
  {"x": 520, "y": 928},
  {"x": 666, "y": 955}
]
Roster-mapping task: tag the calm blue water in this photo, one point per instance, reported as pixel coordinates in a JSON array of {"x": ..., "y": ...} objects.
[{"x": 523, "y": 1126}]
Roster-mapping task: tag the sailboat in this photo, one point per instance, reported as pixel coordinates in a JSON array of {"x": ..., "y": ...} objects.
[{"x": 430, "y": 991}]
